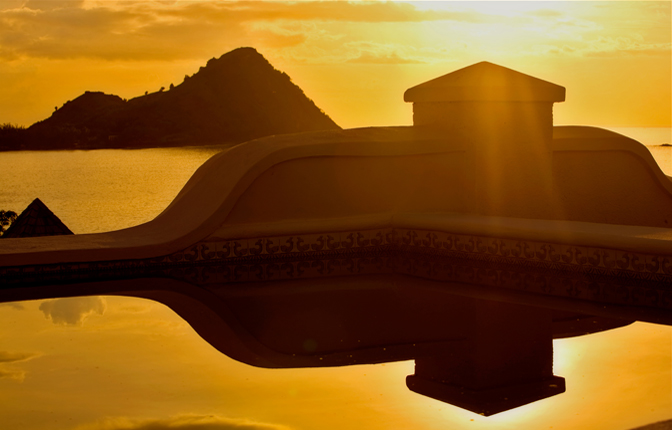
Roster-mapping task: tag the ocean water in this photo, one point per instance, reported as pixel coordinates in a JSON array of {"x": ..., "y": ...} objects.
[
  {"x": 656, "y": 140},
  {"x": 101, "y": 190},
  {"x": 649, "y": 136}
]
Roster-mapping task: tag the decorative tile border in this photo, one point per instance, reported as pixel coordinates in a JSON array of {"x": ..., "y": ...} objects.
[
  {"x": 547, "y": 255},
  {"x": 587, "y": 273}
]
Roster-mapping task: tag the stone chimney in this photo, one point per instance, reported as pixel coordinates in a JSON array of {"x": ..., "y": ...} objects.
[{"x": 505, "y": 118}]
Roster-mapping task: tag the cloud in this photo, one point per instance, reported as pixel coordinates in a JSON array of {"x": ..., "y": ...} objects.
[
  {"x": 72, "y": 311},
  {"x": 182, "y": 422},
  {"x": 602, "y": 47},
  {"x": 140, "y": 31},
  {"x": 7, "y": 357},
  {"x": 368, "y": 52},
  {"x": 134, "y": 307},
  {"x": 196, "y": 30},
  {"x": 371, "y": 12},
  {"x": 13, "y": 305},
  {"x": 13, "y": 374},
  {"x": 13, "y": 357},
  {"x": 623, "y": 46},
  {"x": 52, "y": 4},
  {"x": 276, "y": 39},
  {"x": 11, "y": 4},
  {"x": 545, "y": 13},
  {"x": 391, "y": 58}
]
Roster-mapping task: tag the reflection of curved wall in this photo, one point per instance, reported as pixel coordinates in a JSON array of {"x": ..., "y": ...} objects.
[{"x": 331, "y": 322}]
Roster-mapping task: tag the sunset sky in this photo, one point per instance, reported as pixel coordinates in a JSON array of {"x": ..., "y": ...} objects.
[{"x": 353, "y": 59}]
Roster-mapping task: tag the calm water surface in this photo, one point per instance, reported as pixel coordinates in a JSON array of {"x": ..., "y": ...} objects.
[
  {"x": 94, "y": 191},
  {"x": 117, "y": 363}
]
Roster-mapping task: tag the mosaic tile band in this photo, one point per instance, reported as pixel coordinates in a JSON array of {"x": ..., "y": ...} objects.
[{"x": 587, "y": 273}]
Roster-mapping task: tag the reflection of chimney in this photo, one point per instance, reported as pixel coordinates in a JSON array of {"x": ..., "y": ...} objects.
[
  {"x": 505, "y": 360},
  {"x": 507, "y": 119}
]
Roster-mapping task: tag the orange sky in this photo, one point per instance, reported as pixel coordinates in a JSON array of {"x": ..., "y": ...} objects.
[{"x": 353, "y": 59}]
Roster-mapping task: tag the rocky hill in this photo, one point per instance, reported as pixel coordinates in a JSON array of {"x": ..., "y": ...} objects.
[{"x": 234, "y": 98}]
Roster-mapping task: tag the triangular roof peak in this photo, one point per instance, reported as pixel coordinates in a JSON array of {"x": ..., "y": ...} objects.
[
  {"x": 485, "y": 81},
  {"x": 36, "y": 220}
]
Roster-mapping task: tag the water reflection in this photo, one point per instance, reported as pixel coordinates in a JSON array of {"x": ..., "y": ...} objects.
[
  {"x": 139, "y": 360},
  {"x": 471, "y": 351}
]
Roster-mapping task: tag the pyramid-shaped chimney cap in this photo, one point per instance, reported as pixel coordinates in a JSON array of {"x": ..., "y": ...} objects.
[
  {"x": 36, "y": 220},
  {"x": 485, "y": 82}
]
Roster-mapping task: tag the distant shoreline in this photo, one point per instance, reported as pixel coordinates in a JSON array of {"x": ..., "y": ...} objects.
[
  {"x": 122, "y": 147},
  {"x": 648, "y": 136}
]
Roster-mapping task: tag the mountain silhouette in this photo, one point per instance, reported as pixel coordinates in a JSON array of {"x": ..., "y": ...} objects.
[{"x": 234, "y": 98}]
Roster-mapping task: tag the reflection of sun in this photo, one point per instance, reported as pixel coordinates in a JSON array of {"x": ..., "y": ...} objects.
[
  {"x": 601, "y": 370},
  {"x": 454, "y": 417}
]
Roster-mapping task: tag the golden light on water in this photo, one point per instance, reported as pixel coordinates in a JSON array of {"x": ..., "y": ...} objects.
[{"x": 624, "y": 366}]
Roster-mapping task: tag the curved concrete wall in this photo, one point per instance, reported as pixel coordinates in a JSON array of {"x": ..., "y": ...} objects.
[
  {"x": 365, "y": 177},
  {"x": 350, "y": 186},
  {"x": 592, "y": 175}
]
